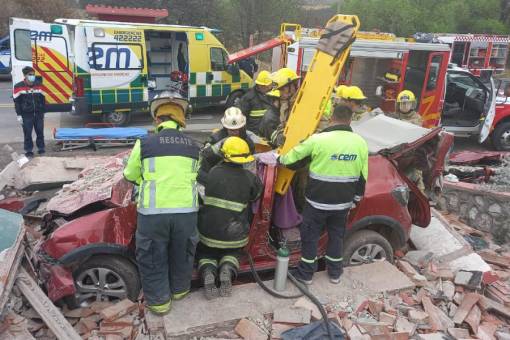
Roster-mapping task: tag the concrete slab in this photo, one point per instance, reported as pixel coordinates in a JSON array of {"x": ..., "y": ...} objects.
[{"x": 357, "y": 283}]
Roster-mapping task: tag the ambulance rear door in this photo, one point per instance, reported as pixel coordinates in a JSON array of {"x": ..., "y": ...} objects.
[{"x": 46, "y": 48}]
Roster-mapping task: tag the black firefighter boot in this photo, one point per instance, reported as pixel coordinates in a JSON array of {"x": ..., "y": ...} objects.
[
  {"x": 209, "y": 281},
  {"x": 227, "y": 272}
]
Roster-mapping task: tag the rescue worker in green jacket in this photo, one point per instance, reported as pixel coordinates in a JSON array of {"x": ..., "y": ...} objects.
[
  {"x": 354, "y": 98},
  {"x": 406, "y": 108},
  {"x": 164, "y": 166},
  {"x": 338, "y": 160},
  {"x": 254, "y": 102},
  {"x": 224, "y": 219}
]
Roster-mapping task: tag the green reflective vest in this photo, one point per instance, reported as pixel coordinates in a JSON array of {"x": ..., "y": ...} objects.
[{"x": 165, "y": 167}]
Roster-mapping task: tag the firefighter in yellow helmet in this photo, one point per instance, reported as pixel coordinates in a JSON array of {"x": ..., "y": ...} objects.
[
  {"x": 271, "y": 121},
  {"x": 254, "y": 102},
  {"x": 353, "y": 96},
  {"x": 406, "y": 108},
  {"x": 166, "y": 234},
  {"x": 336, "y": 98},
  {"x": 224, "y": 219}
]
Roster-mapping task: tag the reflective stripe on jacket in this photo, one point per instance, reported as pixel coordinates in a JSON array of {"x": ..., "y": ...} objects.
[
  {"x": 338, "y": 167},
  {"x": 223, "y": 220},
  {"x": 165, "y": 167},
  {"x": 254, "y": 104}
]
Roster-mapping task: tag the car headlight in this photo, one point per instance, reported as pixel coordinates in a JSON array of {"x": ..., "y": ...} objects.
[{"x": 401, "y": 194}]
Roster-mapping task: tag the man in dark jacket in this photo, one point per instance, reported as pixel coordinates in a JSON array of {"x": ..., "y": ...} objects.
[
  {"x": 234, "y": 125},
  {"x": 29, "y": 103},
  {"x": 271, "y": 120},
  {"x": 254, "y": 102},
  {"x": 223, "y": 220}
]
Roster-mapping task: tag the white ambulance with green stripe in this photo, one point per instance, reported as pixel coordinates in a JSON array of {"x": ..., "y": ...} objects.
[{"x": 119, "y": 67}]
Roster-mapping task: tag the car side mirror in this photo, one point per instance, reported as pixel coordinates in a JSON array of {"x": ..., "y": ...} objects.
[{"x": 233, "y": 69}]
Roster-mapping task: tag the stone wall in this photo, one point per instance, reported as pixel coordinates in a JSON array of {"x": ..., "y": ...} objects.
[{"x": 479, "y": 208}]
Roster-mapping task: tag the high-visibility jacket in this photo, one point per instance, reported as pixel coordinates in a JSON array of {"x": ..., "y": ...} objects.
[
  {"x": 254, "y": 104},
  {"x": 338, "y": 161},
  {"x": 165, "y": 167},
  {"x": 223, "y": 220}
]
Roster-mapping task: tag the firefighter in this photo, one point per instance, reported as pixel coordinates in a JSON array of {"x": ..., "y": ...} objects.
[
  {"x": 336, "y": 98},
  {"x": 224, "y": 219},
  {"x": 234, "y": 125},
  {"x": 254, "y": 102},
  {"x": 29, "y": 103},
  {"x": 354, "y": 97},
  {"x": 165, "y": 166},
  {"x": 338, "y": 172},
  {"x": 271, "y": 120},
  {"x": 406, "y": 105},
  {"x": 286, "y": 81}
]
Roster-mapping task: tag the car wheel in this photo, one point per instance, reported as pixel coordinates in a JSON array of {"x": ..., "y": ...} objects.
[
  {"x": 501, "y": 137},
  {"x": 116, "y": 118},
  {"x": 233, "y": 99},
  {"x": 367, "y": 246},
  {"x": 105, "y": 278}
]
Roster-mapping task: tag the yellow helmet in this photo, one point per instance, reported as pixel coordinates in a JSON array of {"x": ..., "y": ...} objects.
[
  {"x": 353, "y": 93},
  {"x": 236, "y": 150},
  {"x": 406, "y": 96},
  {"x": 264, "y": 78},
  {"x": 165, "y": 104},
  {"x": 284, "y": 76},
  {"x": 273, "y": 94},
  {"x": 340, "y": 91}
]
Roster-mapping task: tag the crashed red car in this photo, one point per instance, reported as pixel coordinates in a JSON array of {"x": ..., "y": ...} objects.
[{"x": 89, "y": 252}]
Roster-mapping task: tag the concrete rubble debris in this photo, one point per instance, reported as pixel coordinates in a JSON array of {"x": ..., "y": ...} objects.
[
  {"x": 118, "y": 310},
  {"x": 305, "y": 303},
  {"x": 250, "y": 331},
  {"x": 294, "y": 315}
]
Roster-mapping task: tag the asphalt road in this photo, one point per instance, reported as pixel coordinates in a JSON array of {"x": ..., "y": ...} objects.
[{"x": 10, "y": 129}]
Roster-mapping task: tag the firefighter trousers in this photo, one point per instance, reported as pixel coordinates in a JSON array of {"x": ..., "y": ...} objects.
[
  {"x": 314, "y": 222},
  {"x": 165, "y": 251},
  {"x": 214, "y": 258}
]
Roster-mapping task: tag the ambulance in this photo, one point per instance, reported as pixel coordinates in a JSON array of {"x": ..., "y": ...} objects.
[{"x": 113, "y": 69}]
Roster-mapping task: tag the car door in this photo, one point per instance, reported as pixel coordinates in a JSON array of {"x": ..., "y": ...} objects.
[
  {"x": 46, "y": 48},
  {"x": 489, "y": 114},
  {"x": 432, "y": 96}
]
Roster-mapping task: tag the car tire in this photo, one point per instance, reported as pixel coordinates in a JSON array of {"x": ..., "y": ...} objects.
[
  {"x": 366, "y": 246},
  {"x": 116, "y": 118},
  {"x": 233, "y": 99},
  {"x": 501, "y": 136},
  {"x": 116, "y": 271}
]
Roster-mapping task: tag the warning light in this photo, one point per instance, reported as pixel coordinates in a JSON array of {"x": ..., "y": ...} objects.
[
  {"x": 199, "y": 36},
  {"x": 56, "y": 29}
]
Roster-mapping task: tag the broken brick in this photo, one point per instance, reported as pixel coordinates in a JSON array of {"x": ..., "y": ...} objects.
[
  {"x": 489, "y": 277},
  {"x": 448, "y": 289},
  {"x": 465, "y": 307},
  {"x": 437, "y": 318},
  {"x": 118, "y": 310},
  {"x": 248, "y": 330},
  {"x": 77, "y": 313},
  {"x": 346, "y": 323},
  {"x": 473, "y": 318},
  {"x": 408, "y": 300},
  {"x": 418, "y": 317},
  {"x": 98, "y": 306},
  {"x": 387, "y": 318},
  {"x": 362, "y": 306},
  {"x": 432, "y": 336},
  {"x": 293, "y": 315},
  {"x": 355, "y": 334},
  {"x": 493, "y": 258},
  {"x": 403, "y": 325},
  {"x": 486, "y": 331},
  {"x": 391, "y": 336},
  {"x": 458, "y": 333},
  {"x": 307, "y": 304},
  {"x": 375, "y": 307},
  {"x": 458, "y": 297},
  {"x": 85, "y": 325}
]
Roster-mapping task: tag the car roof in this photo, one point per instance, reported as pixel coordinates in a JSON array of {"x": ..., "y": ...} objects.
[{"x": 382, "y": 132}]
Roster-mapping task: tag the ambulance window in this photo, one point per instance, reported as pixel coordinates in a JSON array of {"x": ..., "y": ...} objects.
[
  {"x": 218, "y": 59},
  {"x": 435, "y": 64},
  {"x": 48, "y": 61},
  {"x": 22, "y": 45}
]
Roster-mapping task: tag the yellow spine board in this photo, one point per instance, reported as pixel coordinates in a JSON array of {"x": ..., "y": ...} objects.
[{"x": 315, "y": 90}]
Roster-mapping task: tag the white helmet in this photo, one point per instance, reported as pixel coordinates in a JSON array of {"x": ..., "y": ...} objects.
[{"x": 233, "y": 119}]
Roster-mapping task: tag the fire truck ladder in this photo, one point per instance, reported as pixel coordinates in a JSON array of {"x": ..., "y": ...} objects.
[{"x": 332, "y": 52}]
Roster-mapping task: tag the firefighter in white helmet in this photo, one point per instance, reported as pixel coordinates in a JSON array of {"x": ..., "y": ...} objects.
[{"x": 233, "y": 125}]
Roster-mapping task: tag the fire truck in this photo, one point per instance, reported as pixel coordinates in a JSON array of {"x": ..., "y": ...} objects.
[
  {"x": 482, "y": 54},
  {"x": 383, "y": 65}
]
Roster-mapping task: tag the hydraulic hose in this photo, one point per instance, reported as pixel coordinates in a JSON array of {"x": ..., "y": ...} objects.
[{"x": 304, "y": 292}]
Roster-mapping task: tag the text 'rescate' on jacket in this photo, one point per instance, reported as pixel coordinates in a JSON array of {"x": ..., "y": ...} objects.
[
  {"x": 338, "y": 161},
  {"x": 165, "y": 168}
]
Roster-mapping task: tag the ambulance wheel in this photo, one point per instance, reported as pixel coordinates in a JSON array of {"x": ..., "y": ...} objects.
[
  {"x": 233, "y": 99},
  {"x": 501, "y": 136},
  {"x": 367, "y": 246},
  {"x": 117, "y": 118},
  {"x": 105, "y": 278}
]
